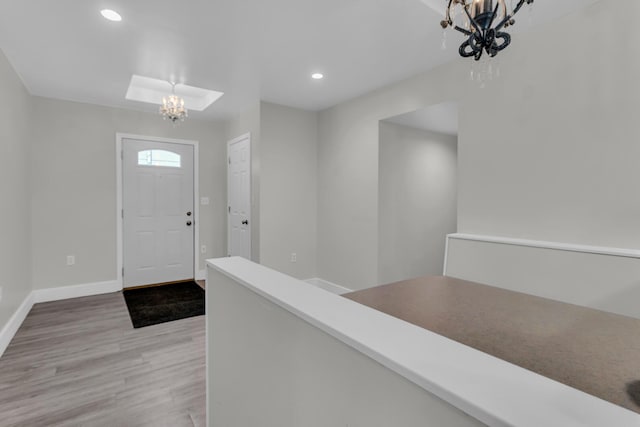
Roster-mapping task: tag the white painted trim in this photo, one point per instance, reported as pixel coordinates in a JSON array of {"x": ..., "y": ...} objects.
[
  {"x": 52, "y": 294},
  {"x": 196, "y": 207},
  {"x": 571, "y": 247},
  {"x": 201, "y": 274},
  {"x": 251, "y": 229},
  {"x": 119, "y": 204},
  {"x": 196, "y": 197},
  {"x": 76, "y": 291},
  {"x": 15, "y": 321},
  {"x": 446, "y": 254},
  {"x": 207, "y": 382},
  {"x": 328, "y": 286}
]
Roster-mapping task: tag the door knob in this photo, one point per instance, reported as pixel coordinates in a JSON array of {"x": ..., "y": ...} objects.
[
  {"x": 189, "y": 223},
  {"x": 189, "y": 213},
  {"x": 245, "y": 222}
]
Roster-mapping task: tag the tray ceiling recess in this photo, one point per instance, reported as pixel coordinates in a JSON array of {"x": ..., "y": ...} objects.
[{"x": 149, "y": 90}]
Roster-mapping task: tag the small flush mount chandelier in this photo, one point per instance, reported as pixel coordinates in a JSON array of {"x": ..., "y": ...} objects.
[
  {"x": 483, "y": 21},
  {"x": 172, "y": 107}
]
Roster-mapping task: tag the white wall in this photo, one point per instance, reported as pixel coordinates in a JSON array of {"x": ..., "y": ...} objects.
[
  {"x": 15, "y": 194},
  {"x": 249, "y": 122},
  {"x": 347, "y": 198},
  {"x": 74, "y": 187},
  {"x": 288, "y": 196},
  {"x": 270, "y": 368},
  {"x": 417, "y": 201},
  {"x": 561, "y": 162},
  {"x": 283, "y": 185},
  {"x": 348, "y": 172},
  {"x": 605, "y": 282},
  {"x": 548, "y": 151}
]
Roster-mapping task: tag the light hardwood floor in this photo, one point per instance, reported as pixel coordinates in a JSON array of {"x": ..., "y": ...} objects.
[{"x": 79, "y": 362}]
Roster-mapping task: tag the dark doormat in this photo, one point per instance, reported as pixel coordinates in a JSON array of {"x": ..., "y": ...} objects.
[{"x": 159, "y": 304}]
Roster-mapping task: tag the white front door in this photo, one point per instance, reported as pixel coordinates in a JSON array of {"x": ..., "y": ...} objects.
[
  {"x": 239, "y": 195},
  {"x": 158, "y": 218}
]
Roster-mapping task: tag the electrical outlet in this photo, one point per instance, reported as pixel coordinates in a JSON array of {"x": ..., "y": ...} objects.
[
  {"x": 204, "y": 201},
  {"x": 203, "y": 249},
  {"x": 294, "y": 257},
  {"x": 71, "y": 259}
]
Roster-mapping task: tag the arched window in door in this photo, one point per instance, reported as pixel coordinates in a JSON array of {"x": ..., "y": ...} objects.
[{"x": 159, "y": 158}]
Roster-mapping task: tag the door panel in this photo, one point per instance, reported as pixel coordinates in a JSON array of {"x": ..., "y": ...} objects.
[
  {"x": 157, "y": 195},
  {"x": 239, "y": 186},
  {"x": 146, "y": 249},
  {"x": 146, "y": 197}
]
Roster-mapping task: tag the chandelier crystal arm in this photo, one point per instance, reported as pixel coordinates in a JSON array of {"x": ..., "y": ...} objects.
[
  {"x": 493, "y": 16},
  {"x": 463, "y": 30},
  {"x": 473, "y": 21},
  {"x": 448, "y": 14},
  {"x": 508, "y": 17}
]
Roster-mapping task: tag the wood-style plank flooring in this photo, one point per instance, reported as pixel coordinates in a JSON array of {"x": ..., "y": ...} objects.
[{"x": 79, "y": 362}]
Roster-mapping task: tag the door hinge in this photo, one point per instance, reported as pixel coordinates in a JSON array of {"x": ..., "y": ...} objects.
[
  {"x": 229, "y": 209},
  {"x": 122, "y": 271},
  {"x": 229, "y": 160},
  {"x": 122, "y": 213}
]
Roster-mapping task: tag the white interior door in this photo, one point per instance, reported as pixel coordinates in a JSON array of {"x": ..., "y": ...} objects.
[
  {"x": 239, "y": 195},
  {"x": 158, "y": 212}
]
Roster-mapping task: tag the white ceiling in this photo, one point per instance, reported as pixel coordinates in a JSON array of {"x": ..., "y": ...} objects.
[
  {"x": 248, "y": 49},
  {"x": 440, "y": 118}
]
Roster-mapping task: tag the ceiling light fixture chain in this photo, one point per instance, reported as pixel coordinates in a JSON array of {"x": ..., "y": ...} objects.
[
  {"x": 483, "y": 22},
  {"x": 172, "y": 107}
]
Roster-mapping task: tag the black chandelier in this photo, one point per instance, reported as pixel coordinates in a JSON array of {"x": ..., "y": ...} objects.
[{"x": 483, "y": 22}]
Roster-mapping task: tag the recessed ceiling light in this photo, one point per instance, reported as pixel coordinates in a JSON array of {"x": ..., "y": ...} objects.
[
  {"x": 317, "y": 76},
  {"x": 111, "y": 15}
]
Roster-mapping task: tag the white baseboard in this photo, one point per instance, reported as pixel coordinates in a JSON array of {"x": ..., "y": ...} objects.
[
  {"x": 8, "y": 332},
  {"x": 76, "y": 291},
  {"x": 328, "y": 286},
  {"x": 201, "y": 275},
  {"x": 52, "y": 294}
]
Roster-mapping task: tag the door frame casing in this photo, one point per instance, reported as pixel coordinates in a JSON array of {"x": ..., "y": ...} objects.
[
  {"x": 119, "y": 203},
  {"x": 246, "y": 136}
]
